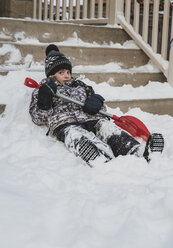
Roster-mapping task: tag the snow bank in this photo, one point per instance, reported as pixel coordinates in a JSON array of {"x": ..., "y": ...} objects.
[{"x": 49, "y": 198}]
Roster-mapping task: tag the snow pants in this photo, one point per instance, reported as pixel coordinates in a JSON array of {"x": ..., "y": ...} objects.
[{"x": 99, "y": 138}]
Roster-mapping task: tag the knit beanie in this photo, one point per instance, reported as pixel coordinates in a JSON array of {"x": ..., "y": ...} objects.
[{"x": 56, "y": 61}]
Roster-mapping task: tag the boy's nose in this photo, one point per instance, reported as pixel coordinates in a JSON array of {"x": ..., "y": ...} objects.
[{"x": 66, "y": 75}]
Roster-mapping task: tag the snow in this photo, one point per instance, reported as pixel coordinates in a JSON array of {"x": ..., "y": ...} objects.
[
  {"x": 153, "y": 90},
  {"x": 20, "y": 38},
  {"x": 50, "y": 198},
  {"x": 115, "y": 67}
]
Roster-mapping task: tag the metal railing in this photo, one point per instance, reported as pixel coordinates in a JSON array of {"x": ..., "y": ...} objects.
[{"x": 148, "y": 22}]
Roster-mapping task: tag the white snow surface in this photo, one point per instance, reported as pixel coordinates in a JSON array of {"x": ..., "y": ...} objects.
[{"x": 51, "y": 199}]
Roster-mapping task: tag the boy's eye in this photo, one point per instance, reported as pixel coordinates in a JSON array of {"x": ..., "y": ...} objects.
[{"x": 64, "y": 72}]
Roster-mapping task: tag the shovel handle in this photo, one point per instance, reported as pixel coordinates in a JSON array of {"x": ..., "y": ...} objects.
[
  {"x": 80, "y": 103},
  {"x": 33, "y": 84}
]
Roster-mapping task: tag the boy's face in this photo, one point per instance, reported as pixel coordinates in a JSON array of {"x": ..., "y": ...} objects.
[{"x": 63, "y": 76}]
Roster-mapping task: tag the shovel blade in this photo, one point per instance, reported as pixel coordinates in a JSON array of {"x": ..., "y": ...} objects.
[{"x": 133, "y": 126}]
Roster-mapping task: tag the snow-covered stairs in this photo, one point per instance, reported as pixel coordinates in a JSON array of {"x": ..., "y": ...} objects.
[
  {"x": 85, "y": 45},
  {"x": 101, "y": 53},
  {"x": 81, "y": 55}
]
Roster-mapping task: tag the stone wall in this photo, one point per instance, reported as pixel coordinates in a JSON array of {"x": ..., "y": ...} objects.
[{"x": 16, "y": 8}]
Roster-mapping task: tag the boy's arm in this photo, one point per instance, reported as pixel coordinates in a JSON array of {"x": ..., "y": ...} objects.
[
  {"x": 41, "y": 102},
  {"x": 39, "y": 116},
  {"x": 93, "y": 103}
]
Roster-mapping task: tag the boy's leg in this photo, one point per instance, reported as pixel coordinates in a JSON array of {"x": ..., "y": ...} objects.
[
  {"x": 123, "y": 143},
  {"x": 85, "y": 144},
  {"x": 120, "y": 141}
]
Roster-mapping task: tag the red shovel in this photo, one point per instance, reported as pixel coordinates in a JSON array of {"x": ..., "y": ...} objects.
[{"x": 128, "y": 123}]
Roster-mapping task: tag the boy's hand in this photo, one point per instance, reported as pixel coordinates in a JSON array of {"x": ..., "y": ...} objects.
[
  {"x": 93, "y": 104},
  {"x": 45, "y": 95},
  {"x": 49, "y": 88}
]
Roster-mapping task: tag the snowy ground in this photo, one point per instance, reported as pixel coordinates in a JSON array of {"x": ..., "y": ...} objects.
[{"x": 51, "y": 199}]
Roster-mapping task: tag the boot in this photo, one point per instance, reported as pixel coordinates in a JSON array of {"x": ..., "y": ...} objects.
[
  {"x": 120, "y": 141},
  {"x": 155, "y": 143},
  {"x": 86, "y": 145}
]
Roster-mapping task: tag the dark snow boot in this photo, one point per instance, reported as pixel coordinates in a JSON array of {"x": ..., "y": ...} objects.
[
  {"x": 88, "y": 151},
  {"x": 155, "y": 143},
  {"x": 120, "y": 141},
  {"x": 123, "y": 144}
]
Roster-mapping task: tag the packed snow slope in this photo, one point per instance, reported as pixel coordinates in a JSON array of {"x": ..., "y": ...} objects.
[{"x": 49, "y": 198}]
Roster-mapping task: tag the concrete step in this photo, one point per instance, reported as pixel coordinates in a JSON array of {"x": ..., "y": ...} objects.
[
  {"x": 47, "y": 32},
  {"x": 154, "y": 106},
  {"x": 81, "y": 55},
  {"x": 119, "y": 79},
  {"x": 2, "y": 108},
  {"x": 4, "y": 72},
  {"x": 114, "y": 78}
]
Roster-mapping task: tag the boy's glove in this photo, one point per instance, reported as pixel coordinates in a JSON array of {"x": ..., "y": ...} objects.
[
  {"x": 93, "y": 104},
  {"x": 45, "y": 95}
]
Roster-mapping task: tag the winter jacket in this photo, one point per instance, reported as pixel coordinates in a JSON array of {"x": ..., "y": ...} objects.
[{"x": 63, "y": 112}]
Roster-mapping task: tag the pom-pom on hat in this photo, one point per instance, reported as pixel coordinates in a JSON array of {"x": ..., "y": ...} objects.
[{"x": 56, "y": 61}]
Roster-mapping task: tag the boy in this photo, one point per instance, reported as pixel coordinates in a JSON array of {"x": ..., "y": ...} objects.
[{"x": 84, "y": 131}]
